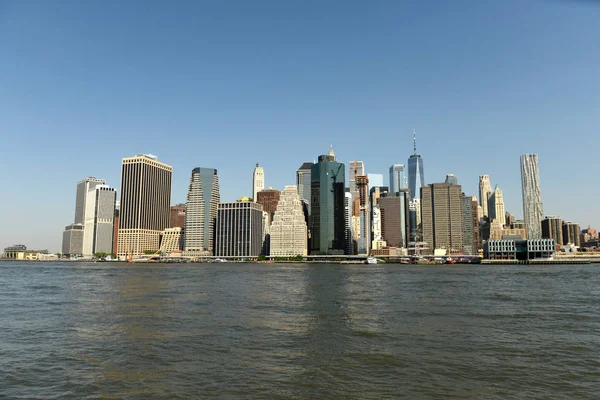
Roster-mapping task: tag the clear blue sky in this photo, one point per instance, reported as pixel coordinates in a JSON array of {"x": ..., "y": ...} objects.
[{"x": 228, "y": 84}]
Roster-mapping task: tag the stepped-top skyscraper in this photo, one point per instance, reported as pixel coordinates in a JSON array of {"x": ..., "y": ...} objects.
[
  {"x": 397, "y": 178},
  {"x": 496, "y": 207},
  {"x": 328, "y": 225},
  {"x": 485, "y": 189},
  {"x": 288, "y": 230},
  {"x": 533, "y": 210},
  {"x": 145, "y": 204},
  {"x": 258, "y": 181},
  {"x": 416, "y": 174},
  {"x": 203, "y": 199}
]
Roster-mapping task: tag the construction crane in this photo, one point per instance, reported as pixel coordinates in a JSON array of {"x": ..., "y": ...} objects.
[{"x": 334, "y": 176}]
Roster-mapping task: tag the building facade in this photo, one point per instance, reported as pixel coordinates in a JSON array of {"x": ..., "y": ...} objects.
[
  {"x": 258, "y": 181},
  {"x": 519, "y": 249},
  {"x": 356, "y": 168},
  {"x": 451, "y": 179},
  {"x": 328, "y": 225},
  {"x": 552, "y": 228},
  {"x": 239, "y": 229},
  {"x": 269, "y": 199},
  {"x": 532, "y": 196},
  {"x": 288, "y": 229},
  {"x": 416, "y": 173},
  {"x": 468, "y": 231},
  {"x": 171, "y": 239},
  {"x": 442, "y": 220},
  {"x": 485, "y": 190},
  {"x": 496, "y": 207},
  {"x": 303, "y": 182},
  {"x": 397, "y": 178},
  {"x": 571, "y": 235},
  {"x": 177, "y": 216},
  {"x": 203, "y": 199},
  {"x": 98, "y": 226},
  {"x": 72, "y": 243},
  {"x": 395, "y": 219},
  {"x": 145, "y": 204}
]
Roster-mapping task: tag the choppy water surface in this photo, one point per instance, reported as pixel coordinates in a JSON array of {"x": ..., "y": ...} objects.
[{"x": 74, "y": 330}]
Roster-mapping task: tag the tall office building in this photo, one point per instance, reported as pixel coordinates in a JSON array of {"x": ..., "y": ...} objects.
[
  {"x": 395, "y": 218},
  {"x": 414, "y": 212},
  {"x": 397, "y": 178},
  {"x": 363, "y": 212},
  {"x": 356, "y": 168},
  {"x": 74, "y": 235},
  {"x": 116, "y": 227},
  {"x": 98, "y": 220},
  {"x": 303, "y": 182},
  {"x": 268, "y": 199},
  {"x": 442, "y": 220},
  {"x": 203, "y": 199},
  {"x": 416, "y": 173},
  {"x": 258, "y": 181},
  {"x": 349, "y": 244},
  {"x": 532, "y": 196},
  {"x": 327, "y": 225},
  {"x": 496, "y": 207},
  {"x": 177, "y": 216},
  {"x": 475, "y": 222},
  {"x": 72, "y": 243},
  {"x": 288, "y": 230},
  {"x": 239, "y": 229},
  {"x": 468, "y": 228},
  {"x": 571, "y": 233},
  {"x": 145, "y": 203},
  {"x": 452, "y": 179},
  {"x": 552, "y": 228},
  {"x": 485, "y": 189}
]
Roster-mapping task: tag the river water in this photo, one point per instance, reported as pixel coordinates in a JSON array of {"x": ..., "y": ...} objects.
[{"x": 285, "y": 331}]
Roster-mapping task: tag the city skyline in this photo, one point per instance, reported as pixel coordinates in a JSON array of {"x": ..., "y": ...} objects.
[{"x": 471, "y": 80}]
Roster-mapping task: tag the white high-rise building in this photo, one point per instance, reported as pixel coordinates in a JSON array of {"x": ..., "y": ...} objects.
[
  {"x": 258, "y": 181},
  {"x": 98, "y": 220},
  {"x": 533, "y": 210},
  {"x": 288, "y": 230},
  {"x": 496, "y": 207},
  {"x": 397, "y": 178},
  {"x": 376, "y": 223},
  {"x": 203, "y": 199},
  {"x": 485, "y": 189}
]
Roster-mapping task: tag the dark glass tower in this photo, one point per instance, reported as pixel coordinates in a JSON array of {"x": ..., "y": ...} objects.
[
  {"x": 416, "y": 174},
  {"x": 327, "y": 206}
]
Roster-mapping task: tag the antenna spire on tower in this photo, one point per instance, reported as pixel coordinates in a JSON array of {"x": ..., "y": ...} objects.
[{"x": 415, "y": 140}]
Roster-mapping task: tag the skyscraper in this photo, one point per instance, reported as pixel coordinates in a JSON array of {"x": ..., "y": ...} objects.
[
  {"x": 496, "y": 207},
  {"x": 532, "y": 196},
  {"x": 303, "y": 182},
  {"x": 203, "y": 199},
  {"x": 397, "y": 178},
  {"x": 452, "y": 179},
  {"x": 99, "y": 215},
  {"x": 363, "y": 212},
  {"x": 239, "y": 229},
  {"x": 552, "y": 228},
  {"x": 327, "y": 205},
  {"x": 268, "y": 199},
  {"x": 416, "y": 173},
  {"x": 485, "y": 189},
  {"x": 395, "y": 219},
  {"x": 468, "y": 232},
  {"x": 258, "y": 181},
  {"x": 442, "y": 217},
  {"x": 356, "y": 168},
  {"x": 288, "y": 230},
  {"x": 571, "y": 233},
  {"x": 74, "y": 235},
  {"x": 145, "y": 203}
]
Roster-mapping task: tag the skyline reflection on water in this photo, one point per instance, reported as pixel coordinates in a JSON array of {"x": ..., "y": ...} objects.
[{"x": 102, "y": 330}]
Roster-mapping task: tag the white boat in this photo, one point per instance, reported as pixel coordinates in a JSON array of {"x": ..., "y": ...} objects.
[
  {"x": 219, "y": 260},
  {"x": 371, "y": 260}
]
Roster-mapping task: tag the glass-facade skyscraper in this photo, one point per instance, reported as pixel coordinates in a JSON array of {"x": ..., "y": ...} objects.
[
  {"x": 397, "y": 178},
  {"x": 327, "y": 220},
  {"x": 532, "y": 196},
  {"x": 201, "y": 211},
  {"x": 416, "y": 174}
]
